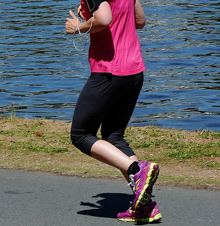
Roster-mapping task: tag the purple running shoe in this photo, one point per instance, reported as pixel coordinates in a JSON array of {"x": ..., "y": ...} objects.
[
  {"x": 143, "y": 182},
  {"x": 149, "y": 213}
]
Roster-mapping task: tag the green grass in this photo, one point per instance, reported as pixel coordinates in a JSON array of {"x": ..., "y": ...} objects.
[
  {"x": 29, "y": 144},
  {"x": 192, "y": 151}
]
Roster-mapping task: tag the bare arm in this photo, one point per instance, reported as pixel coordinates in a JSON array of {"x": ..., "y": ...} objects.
[
  {"x": 102, "y": 18},
  {"x": 139, "y": 15}
]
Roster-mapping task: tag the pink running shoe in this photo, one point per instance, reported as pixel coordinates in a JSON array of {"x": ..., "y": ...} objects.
[
  {"x": 143, "y": 182},
  {"x": 149, "y": 213}
]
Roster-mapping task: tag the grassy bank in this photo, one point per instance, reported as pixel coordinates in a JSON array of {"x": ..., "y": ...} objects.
[{"x": 187, "y": 158}]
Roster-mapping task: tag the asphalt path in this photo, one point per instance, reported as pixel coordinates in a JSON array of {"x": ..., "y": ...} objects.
[{"x": 41, "y": 199}]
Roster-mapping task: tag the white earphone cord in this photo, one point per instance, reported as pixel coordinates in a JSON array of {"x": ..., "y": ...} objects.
[{"x": 78, "y": 28}]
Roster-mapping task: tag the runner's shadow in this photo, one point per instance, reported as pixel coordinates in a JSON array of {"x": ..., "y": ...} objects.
[{"x": 107, "y": 205}]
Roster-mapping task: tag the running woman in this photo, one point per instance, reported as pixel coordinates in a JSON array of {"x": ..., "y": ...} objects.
[{"x": 110, "y": 94}]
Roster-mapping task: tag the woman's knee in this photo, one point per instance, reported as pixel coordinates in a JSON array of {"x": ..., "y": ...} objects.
[
  {"x": 83, "y": 140},
  {"x": 117, "y": 139},
  {"x": 76, "y": 136},
  {"x": 113, "y": 138}
]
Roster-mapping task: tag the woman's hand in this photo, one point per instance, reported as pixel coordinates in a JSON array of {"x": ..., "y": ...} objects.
[
  {"x": 101, "y": 20},
  {"x": 72, "y": 24}
]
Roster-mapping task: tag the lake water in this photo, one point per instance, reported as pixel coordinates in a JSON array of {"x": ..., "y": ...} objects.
[{"x": 42, "y": 73}]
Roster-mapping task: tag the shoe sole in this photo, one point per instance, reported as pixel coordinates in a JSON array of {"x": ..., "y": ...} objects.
[
  {"x": 145, "y": 195},
  {"x": 147, "y": 220}
]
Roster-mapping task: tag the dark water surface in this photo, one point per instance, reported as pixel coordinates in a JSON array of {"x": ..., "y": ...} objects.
[{"x": 42, "y": 73}]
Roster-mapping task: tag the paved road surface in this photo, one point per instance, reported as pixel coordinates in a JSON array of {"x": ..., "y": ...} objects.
[{"x": 40, "y": 199}]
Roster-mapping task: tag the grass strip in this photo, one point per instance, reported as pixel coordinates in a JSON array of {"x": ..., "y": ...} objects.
[{"x": 187, "y": 158}]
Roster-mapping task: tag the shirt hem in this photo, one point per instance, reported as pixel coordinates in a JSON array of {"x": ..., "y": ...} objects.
[{"x": 127, "y": 73}]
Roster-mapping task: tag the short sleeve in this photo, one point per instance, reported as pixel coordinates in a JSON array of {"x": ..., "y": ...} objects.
[{"x": 93, "y": 5}]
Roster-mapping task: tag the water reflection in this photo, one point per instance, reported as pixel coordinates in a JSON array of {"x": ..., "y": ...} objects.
[{"x": 42, "y": 73}]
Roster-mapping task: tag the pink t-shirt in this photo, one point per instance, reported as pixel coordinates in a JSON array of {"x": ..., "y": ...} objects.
[{"x": 116, "y": 49}]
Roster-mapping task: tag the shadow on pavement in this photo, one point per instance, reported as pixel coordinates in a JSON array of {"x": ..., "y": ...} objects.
[{"x": 108, "y": 205}]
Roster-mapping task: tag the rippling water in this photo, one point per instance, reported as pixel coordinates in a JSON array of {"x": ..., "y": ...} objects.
[{"x": 42, "y": 73}]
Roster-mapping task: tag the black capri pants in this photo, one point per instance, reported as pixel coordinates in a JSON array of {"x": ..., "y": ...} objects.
[{"x": 107, "y": 101}]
